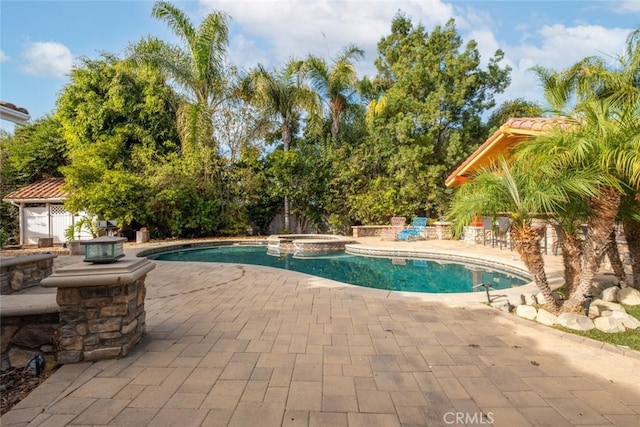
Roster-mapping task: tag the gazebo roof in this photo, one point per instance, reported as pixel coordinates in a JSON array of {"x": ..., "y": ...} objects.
[
  {"x": 508, "y": 135},
  {"x": 45, "y": 190}
]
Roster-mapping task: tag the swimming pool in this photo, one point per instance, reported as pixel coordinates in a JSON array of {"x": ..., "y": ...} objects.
[{"x": 397, "y": 274}]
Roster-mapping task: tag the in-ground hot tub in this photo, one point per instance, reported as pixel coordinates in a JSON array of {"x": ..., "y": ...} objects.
[{"x": 306, "y": 244}]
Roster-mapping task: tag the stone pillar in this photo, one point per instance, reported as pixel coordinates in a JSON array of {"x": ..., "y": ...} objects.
[
  {"x": 443, "y": 230},
  {"x": 101, "y": 308},
  {"x": 473, "y": 235}
]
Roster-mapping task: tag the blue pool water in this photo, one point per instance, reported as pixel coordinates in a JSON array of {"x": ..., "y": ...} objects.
[{"x": 397, "y": 274}]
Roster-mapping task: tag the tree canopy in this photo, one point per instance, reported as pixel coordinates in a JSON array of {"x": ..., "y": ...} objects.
[
  {"x": 426, "y": 118},
  {"x": 115, "y": 123}
]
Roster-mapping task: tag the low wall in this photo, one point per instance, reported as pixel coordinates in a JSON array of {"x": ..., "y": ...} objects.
[
  {"x": 368, "y": 230},
  {"x": 376, "y": 230},
  {"x": 22, "y": 335},
  {"x": 96, "y": 313},
  {"x": 24, "y": 272}
]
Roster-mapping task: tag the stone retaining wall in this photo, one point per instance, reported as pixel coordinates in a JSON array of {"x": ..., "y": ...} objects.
[
  {"x": 23, "y": 272},
  {"x": 24, "y": 335},
  {"x": 368, "y": 230}
]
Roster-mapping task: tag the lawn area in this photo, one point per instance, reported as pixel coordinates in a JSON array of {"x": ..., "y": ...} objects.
[{"x": 630, "y": 338}]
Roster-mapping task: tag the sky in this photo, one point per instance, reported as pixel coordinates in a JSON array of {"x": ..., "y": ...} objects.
[{"x": 40, "y": 41}]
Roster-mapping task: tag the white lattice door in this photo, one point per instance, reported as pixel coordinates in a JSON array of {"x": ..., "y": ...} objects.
[{"x": 60, "y": 221}]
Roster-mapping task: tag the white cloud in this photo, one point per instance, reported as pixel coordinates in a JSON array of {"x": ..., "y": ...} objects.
[
  {"x": 563, "y": 46},
  {"x": 3, "y": 56},
  {"x": 628, "y": 6},
  {"x": 47, "y": 59},
  {"x": 281, "y": 29},
  {"x": 557, "y": 47},
  {"x": 271, "y": 31}
]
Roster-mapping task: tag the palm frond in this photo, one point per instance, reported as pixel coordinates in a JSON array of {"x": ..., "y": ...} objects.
[{"x": 176, "y": 19}]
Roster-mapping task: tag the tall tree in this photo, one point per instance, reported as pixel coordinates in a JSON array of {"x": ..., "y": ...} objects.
[
  {"x": 37, "y": 150},
  {"x": 426, "y": 117},
  {"x": 197, "y": 68},
  {"x": 336, "y": 84},
  {"x": 282, "y": 97},
  {"x": 115, "y": 123}
]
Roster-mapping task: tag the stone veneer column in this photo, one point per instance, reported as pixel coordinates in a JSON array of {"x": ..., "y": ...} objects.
[
  {"x": 443, "y": 230},
  {"x": 101, "y": 308},
  {"x": 473, "y": 235}
]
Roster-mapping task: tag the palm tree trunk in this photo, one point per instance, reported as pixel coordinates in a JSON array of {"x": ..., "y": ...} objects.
[
  {"x": 286, "y": 139},
  {"x": 571, "y": 255},
  {"x": 632, "y": 234},
  {"x": 335, "y": 125},
  {"x": 526, "y": 242},
  {"x": 616, "y": 262},
  {"x": 286, "y": 214},
  {"x": 597, "y": 241}
]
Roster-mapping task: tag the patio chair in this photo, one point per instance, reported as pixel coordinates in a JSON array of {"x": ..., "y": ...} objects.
[
  {"x": 557, "y": 244},
  {"x": 397, "y": 225},
  {"x": 416, "y": 231},
  {"x": 488, "y": 230},
  {"x": 502, "y": 232}
]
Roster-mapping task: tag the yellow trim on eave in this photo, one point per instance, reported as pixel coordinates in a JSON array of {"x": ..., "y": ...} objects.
[{"x": 476, "y": 156}]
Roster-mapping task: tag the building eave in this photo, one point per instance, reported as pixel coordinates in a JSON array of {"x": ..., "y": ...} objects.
[
  {"x": 502, "y": 141},
  {"x": 14, "y": 116},
  {"x": 19, "y": 201}
]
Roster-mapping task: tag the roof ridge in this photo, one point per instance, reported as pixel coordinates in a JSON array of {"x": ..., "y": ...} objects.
[{"x": 43, "y": 189}]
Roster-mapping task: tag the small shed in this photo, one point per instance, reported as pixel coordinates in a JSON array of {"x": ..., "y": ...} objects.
[{"x": 42, "y": 214}]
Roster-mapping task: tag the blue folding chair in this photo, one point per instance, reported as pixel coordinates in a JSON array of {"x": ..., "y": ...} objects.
[{"x": 416, "y": 231}]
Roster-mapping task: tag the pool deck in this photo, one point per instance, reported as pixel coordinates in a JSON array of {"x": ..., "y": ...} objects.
[{"x": 243, "y": 345}]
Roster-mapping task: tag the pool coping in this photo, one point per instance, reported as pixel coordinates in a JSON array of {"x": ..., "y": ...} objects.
[
  {"x": 554, "y": 278},
  {"x": 364, "y": 249}
]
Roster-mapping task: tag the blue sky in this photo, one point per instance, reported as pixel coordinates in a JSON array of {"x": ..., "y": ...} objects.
[{"x": 41, "y": 40}]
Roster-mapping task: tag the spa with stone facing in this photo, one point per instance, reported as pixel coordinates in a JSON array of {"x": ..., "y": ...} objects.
[{"x": 306, "y": 244}]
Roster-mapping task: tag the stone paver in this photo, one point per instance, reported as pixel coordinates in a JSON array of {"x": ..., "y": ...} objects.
[{"x": 230, "y": 345}]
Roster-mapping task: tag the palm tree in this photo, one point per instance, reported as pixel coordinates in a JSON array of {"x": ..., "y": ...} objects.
[
  {"x": 630, "y": 207},
  {"x": 524, "y": 193},
  {"x": 197, "y": 68},
  {"x": 601, "y": 143},
  {"x": 567, "y": 223},
  {"x": 593, "y": 79},
  {"x": 282, "y": 97},
  {"x": 607, "y": 104},
  {"x": 336, "y": 84}
]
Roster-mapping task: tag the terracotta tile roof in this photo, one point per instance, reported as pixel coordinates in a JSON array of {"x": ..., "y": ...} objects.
[
  {"x": 510, "y": 133},
  {"x": 46, "y": 189}
]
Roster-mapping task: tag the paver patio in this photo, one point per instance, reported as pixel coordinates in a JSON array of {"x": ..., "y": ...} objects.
[{"x": 254, "y": 346}]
